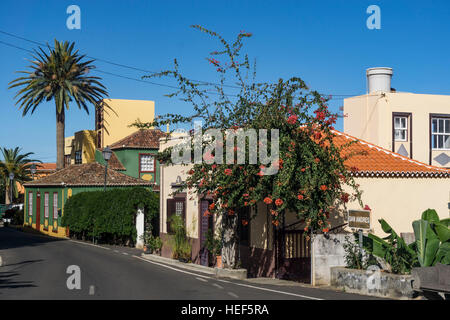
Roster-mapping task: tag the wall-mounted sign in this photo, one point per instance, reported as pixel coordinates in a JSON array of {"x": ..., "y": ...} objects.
[{"x": 359, "y": 219}]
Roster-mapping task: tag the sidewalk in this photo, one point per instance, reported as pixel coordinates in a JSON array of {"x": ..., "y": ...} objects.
[{"x": 240, "y": 274}]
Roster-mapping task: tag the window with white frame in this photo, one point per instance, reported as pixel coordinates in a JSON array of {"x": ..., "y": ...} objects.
[
  {"x": 400, "y": 128},
  {"x": 440, "y": 133},
  {"x": 46, "y": 205},
  {"x": 30, "y": 203},
  {"x": 147, "y": 163},
  {"x": 55, "y": 205}
]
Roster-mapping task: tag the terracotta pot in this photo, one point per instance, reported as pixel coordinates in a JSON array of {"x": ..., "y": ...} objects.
[{"x": 219, "y": 261}]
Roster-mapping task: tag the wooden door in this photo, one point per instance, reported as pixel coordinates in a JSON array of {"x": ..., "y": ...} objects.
[
  {"x": 38, "y": 211},
  {"x": 205, "y": 225},
  {"x": 294, "y": 256}
]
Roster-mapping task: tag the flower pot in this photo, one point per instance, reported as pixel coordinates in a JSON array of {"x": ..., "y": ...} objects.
[{"x": 219, "y": 261}]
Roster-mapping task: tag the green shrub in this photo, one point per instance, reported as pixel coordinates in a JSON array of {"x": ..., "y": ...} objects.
[
  {"x": 109, "y": 216},
  {"x": 180, "y": 244},
  {"x": 354, "y": 258}
]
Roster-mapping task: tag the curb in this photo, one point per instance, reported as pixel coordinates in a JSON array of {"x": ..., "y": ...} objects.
[{"x": 240, "y": 274}]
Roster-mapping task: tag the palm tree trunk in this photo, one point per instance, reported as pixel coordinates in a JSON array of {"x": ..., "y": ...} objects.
[
  {"x": 7, "y": 195},
  {"x": 60, "y": 124}
]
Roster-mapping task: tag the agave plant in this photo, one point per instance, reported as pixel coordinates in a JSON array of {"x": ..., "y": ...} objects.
[
  {"x": 17, "y": 163},
  {"x": 60, "y": 75}
]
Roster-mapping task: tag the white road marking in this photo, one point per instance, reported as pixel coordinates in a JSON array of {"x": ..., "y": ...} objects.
[
  {"x": 116, "y": 251},
  {"x": 225, "y": 281},
  {"x": 217, "y": 285},
  {"x": 175, "y": 269},
  {"x": 90, "y": 244},
  {"x": 125, "y": 253},
  {"x": 91, "y": 290},
  {"x": 234, "y": 295},
  {"x": 271, "y": 290},
  {"x": 201, "y": 279}
]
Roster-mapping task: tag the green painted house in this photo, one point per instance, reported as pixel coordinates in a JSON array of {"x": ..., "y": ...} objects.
[
  {"x": 135, "y": 154},
  {"x": 45, "y": 198}
]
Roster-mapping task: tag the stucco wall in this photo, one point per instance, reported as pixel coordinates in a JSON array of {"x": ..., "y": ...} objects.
[
  {"x": 125, "y": 113},
  {"x": 400, "y": 201}
]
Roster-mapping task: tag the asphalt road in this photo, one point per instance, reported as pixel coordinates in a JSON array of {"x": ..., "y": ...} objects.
[{"x": 35, "y": 267}]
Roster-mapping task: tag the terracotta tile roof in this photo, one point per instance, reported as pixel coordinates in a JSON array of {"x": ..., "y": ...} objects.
[
  {"x": 46, "y": 166},
  {"x": 141, "y": 139},
  {"x": 114, "y": 163},
  {"x": 376, "y": 161},
  {"x": 87, "y": 174}
]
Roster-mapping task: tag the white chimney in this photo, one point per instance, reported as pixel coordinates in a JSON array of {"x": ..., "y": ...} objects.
[{"x": 379, "y": 79}]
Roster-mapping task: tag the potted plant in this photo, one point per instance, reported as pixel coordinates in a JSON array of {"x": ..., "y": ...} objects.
[
  {"x": 147, "y": 238},
  {"x": 214, "y": 247},
  {"x": 182, "y": 249}
]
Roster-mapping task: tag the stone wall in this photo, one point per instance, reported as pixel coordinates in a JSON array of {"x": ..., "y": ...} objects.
[{"x": 377, "y": 283}]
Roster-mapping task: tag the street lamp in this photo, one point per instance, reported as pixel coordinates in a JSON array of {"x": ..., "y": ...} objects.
[
  {"x": 106, "y": 155},
  {"x": 11, "y": 179},
  {"x": 33, "y": 170}
]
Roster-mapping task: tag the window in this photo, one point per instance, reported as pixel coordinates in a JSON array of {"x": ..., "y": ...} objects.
[
  {"x": 55, "y": 205},
  {"x": 400, "y": 128},
  {"x": 67, "y": 160},
  {"x": 46, "y": 205},
  {"x": 440, "y": 133},
  {"x": 147, "y": 163},
  {"x": 78, "y": 157},
  {"x": 30, "y": 203},
  {"x": 175, "y": 207}
]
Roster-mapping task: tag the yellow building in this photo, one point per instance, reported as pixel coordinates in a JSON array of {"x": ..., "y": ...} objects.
[
  {"x": 413, "y": 125},
  {"x": 113, "y": 125},
  {"x": 80, "y": 148}
]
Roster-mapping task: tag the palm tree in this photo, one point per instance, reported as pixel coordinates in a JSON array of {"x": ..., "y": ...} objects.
[
  {"x": 17, "y": 163},
  {"x": 58, "y": 75}
]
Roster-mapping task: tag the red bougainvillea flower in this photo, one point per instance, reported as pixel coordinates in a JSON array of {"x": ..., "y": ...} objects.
[
  {"x": 300, "y": 197},
  {"x": 212, "y": 206},
  {"x": 206, "y": 213},
  {"x": 367, "y": 207},
  {"x": 246, "y": 195},
  {"x": 305, "y": 229},
  {"x": 325, "y": 230},
  {"x": 292, "y": 119},
  {"x": 273, "y": 212},
  {"x": 228, "y": 172},
  {"x": 275, "y": 223},
  {"x": 302, "y": 169},
  {"x": 260, "y": 173},
  {"x": 267, "y": 200},
  {"x": 344, "y": 197},
  {"x": 191, "y": 172},
  {"x": 244, "y": 222},
  {"x": 323, "y": 187},
  {"x": 278, "y": 202},
  {"x": 316, "y": 160},
  {"x": 245, "y": 203},
  {"x": 318, "y": 135},
  {"x": 214, "y": 166},
  {"x": 230, "y": 212}
]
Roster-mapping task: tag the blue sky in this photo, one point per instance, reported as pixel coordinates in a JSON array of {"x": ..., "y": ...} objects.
[{"x": 326, "y": 43}]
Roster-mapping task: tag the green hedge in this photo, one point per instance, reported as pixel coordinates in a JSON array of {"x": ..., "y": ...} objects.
[{"x": 110, "y": 216}]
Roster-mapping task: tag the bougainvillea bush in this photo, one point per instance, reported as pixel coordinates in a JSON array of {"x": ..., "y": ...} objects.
[{"x": 311, "y": 171}]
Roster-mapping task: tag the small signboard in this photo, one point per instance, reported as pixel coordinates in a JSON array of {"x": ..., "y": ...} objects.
[{"x": 359, "y": 219}]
